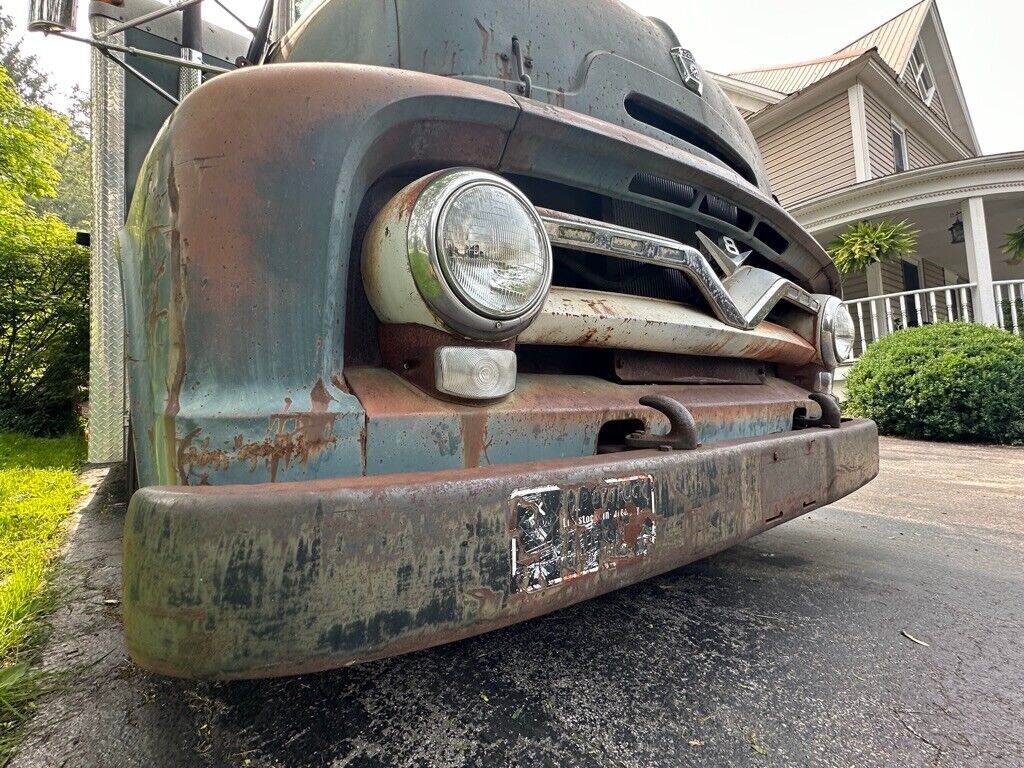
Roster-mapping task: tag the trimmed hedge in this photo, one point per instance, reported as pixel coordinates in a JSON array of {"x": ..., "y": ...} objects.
[{"x": 955, "y": 382}]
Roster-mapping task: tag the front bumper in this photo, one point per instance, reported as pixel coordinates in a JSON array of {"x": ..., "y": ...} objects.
[{"x": 261, "y": 580}]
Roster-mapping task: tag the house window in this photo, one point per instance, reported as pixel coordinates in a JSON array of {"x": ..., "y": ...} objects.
[
  {"x": 921, "y": 74},
  {"x": 899, "y": 148}
]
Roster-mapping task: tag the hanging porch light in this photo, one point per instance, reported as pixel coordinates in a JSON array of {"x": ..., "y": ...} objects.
[{"x": 956, "y": 232}]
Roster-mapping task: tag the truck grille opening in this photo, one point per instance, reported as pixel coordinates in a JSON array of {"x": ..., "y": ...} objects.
[
  {"x": 603, "y": 273},
  {"x": 665, "y": 119},
  {"x": 768, "y": 235},
  {"x": 649, "y": 185},
  {"x": 684, "y": 195},
  {"x": 715, "y": 216}
]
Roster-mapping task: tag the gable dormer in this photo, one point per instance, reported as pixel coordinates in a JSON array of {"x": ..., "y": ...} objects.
[{"x": 915, "y": 47}]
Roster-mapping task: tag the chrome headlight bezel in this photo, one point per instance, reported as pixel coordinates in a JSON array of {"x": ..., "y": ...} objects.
[
  {"x": 430, "y": 273},
  {"x": 830, "y": 345}
]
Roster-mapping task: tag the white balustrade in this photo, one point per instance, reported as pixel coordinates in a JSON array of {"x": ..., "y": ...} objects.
[
  {"x": 878, "y": 316},
  {"x": 1009, "y": 296}
]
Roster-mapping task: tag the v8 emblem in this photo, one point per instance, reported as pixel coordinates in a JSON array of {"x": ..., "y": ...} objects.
[{"x": 688, "y": 70}]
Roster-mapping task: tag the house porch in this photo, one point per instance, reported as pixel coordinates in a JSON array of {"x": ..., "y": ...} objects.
[{"x": 969, "y": 279}]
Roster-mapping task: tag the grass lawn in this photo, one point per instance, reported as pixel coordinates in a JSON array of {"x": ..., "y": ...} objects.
[{"x": 38, "y": 488}]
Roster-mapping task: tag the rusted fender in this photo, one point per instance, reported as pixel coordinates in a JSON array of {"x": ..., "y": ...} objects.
[
  {"x": 236, "y": 257},
  {"x": 253, "y": 581}
]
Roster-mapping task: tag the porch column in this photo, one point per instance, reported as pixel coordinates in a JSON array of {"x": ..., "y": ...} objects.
[{"x": 979, "y": 263}]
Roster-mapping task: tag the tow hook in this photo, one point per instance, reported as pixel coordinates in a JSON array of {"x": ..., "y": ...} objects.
[
  {"x": 682, "y": 435},
  {"x": 830, "y": 415}
]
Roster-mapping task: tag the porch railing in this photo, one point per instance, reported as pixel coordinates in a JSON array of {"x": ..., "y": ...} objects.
[
  {"x": 876, "y": 317},
  {"x": 1010, "y": 304}
]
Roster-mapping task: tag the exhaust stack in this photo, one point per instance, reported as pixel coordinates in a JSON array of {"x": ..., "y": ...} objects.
[{"x": 52, "y": 15}]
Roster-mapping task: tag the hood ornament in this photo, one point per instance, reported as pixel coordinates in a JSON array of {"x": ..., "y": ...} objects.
[{"x": 688, "y": 70}]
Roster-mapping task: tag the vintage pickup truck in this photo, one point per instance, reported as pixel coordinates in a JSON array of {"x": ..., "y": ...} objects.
[{"x": 445, "y": 315}]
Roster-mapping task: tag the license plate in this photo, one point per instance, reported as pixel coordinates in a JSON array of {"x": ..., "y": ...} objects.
[{"x": 560, "y": 533}]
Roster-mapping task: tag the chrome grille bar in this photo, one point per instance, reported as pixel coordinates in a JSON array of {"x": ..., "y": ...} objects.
[{"x": 742, "y": 300}]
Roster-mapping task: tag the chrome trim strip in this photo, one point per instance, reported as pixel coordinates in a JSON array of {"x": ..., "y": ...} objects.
[{"x": 743, "y": 300}]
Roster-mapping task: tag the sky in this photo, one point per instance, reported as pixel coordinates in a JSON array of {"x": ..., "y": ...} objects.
[{"x": 729, "y": 35}]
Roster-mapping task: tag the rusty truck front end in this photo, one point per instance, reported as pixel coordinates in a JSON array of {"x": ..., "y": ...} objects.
[{"x": 448, "y": 317}]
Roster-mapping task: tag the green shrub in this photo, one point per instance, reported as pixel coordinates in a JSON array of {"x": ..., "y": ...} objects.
[{"x": 951, "y": 381}]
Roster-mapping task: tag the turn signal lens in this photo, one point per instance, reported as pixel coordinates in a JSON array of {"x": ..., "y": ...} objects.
[{"x": 474, "y": 374}]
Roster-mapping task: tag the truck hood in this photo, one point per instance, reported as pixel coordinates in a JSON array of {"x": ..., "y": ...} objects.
[{"x": 599, "y": 58}]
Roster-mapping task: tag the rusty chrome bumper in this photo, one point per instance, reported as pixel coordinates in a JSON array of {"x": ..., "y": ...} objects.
[{"x": 253, "y": 581}]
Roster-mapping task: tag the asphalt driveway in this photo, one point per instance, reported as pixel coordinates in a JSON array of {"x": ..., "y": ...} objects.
[{"x": 789, "y": 650}]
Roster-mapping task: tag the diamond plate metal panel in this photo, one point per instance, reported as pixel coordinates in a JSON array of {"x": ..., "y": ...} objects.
[
  {"x": 106, "y": 327},
  {"x": 189, "y": 79}
]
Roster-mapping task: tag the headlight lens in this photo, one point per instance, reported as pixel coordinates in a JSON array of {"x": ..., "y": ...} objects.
[
  {"x": 493, "y": 251},
  {"x": 836, "y": 335}
]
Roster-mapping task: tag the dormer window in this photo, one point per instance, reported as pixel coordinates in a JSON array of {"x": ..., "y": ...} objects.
[
  {"x": 922, "y": 74},
  {"x": 901, "y": 162}
]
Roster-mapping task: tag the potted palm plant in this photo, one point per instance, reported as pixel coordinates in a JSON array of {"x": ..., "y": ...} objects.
[
  {"x": 866, "y": 243},
  {"x": 1014, "y": 246}
]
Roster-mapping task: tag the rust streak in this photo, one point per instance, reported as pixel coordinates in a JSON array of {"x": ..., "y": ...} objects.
[
  {"x": 293, "y": 435},
  {"x": 183, "y": 446},
  {"x": 176, "y": 332},
  {"x": 485, "y": 39},
  {"x": 474, "y": 438},
  {"x": 191, "y": 455}
]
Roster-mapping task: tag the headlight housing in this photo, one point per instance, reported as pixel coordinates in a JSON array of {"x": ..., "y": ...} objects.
[
  {"x": 469, "y": 245},
  {"x": 836, "y": 333}
]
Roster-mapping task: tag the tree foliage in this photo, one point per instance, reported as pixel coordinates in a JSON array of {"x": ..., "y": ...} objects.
[
  {"x": 32, "y": 138},
  {"x": 949, "y": 381},
  {"x": 866, "y": 243},
  {"x": 44, "y": 276},
  {"x": 71, "y": 201},
  {"x": 31, "y": 82}
]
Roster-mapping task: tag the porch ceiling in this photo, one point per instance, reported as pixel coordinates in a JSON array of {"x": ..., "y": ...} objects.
[
  {"x": 929, "y": 198},
  {"x": 1003, "y": 213}
]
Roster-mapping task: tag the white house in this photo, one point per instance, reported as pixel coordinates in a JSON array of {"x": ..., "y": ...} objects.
[{"x": 880, "y": 130}]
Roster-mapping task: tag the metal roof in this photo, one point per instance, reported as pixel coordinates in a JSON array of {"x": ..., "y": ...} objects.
[
  {"x": 789, "y": 78},
  {"x": 894, "y": 41}
]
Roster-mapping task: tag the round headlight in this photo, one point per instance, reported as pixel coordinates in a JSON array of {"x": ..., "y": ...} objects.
[
  {"x": 493, "y": 250},
  {"x": 837, "y": 333},
  {"x": 460, "y": 250}
]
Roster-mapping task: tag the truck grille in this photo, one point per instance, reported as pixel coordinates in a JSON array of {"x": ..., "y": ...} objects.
[
  {"x": 741, "y": 299},
  {"x": 677, "y": 211}
]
